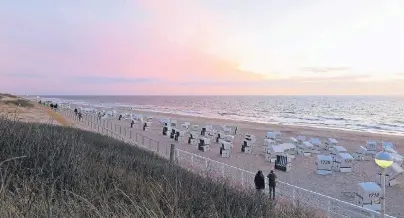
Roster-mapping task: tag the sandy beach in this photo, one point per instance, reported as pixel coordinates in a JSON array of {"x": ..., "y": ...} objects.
[{"x": 339, "y": 185}]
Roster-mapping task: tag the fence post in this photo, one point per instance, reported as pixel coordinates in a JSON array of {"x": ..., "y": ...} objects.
[
  {"x": 136, "y": 138},
  {"x": 192, "y": 161},
  {"x": 130, "y": 134},
  {"x": 329, "y": 209},
  {"x": 120, "y": 129},
  {"x": 158, "y": 147},
  {"x": 242, "y": 179},
  {"x": 172, "y": 150},
  {"x": 294, "y": 196}
]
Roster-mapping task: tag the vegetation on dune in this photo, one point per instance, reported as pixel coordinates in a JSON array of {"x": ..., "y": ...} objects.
[
  {"x": 14, "y": 100},
  {"x": 20, "y": 103},
  {"x": 3, "y": 95},
  {"x": 50, "y": 171}
]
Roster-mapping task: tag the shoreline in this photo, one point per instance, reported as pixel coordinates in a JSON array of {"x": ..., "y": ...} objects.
[
  {"x": 363, "y": 122},
  {"x": 269, "y": 126},
  {"x": 262, "y": 123},
  {"x": 200, "y": 116}
]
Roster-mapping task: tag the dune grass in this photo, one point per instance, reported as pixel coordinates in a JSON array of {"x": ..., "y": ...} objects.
[
  {"x": 59, "y": 118},
  {"x": 52, "y": 171},
  {"x": 19, "y": 102},
  {"x": 4, "y": 95}
]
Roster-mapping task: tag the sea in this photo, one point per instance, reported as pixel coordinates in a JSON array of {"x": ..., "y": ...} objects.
[{"x": 379, "y": 114}]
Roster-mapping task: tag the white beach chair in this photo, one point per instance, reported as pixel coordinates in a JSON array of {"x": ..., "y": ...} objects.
[
  {"x": 330, "y": 143},
  {"x": 393, "y": 175},
  {"x": 360, "y": 154},
  {"x": 324, "y": 164},
  {"x": 294, "y": 140},
  {"x": 272, "y": 151},
  {"x": 305, "y": 149},
  {"x": 343, "y": 162},
  {"x": 368, "y": 195},
  {"x": 301, "y": 138}
]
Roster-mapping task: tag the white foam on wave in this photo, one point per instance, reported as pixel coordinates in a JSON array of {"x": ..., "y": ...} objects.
[{"x": 259, "y": 116}]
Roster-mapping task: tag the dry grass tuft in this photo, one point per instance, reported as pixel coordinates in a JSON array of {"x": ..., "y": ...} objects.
[
  {"x": 52, "y": 171},
  {"x": 59, "y": 118}
]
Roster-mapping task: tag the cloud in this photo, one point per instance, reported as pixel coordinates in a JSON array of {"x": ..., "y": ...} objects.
[
  {"x": 324, "y": 69},
  {"x": 111, "y": 80},
  {"x": 331, "y": 79}
]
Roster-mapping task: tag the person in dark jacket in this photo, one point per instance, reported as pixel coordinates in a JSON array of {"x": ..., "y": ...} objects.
[
  {"x": 80, "y": 115},
  {"x": 272, "y": 183},
  {"x": 259, "y": 181},
  {"x": 132, "y": 123},
  {"x": 75, "y": 111}
]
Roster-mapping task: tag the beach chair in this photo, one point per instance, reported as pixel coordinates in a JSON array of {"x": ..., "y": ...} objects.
[
  {"x": 330, "y": 143},
  {"x": 324, "y": 164},
  {"x": 204, "y": 144},
  {"x": 193, "y": 138},
  {"x": 343, "y": 162},
  {"x": 336, "y": 150},
  {"x": 360, "y": 154},
  {"x": 283, "y": 163},
  {"x": 294, "y": 140},
  {"x": 371, "y": 146},
  {"x": 185, "y": 125},
  {"x": 273, "y": 135},
  {"x": 272, "y": 151},
  {"x": 368, "y": 196},
  {"x": 301, "y": 138},
  {"x": 225, "y": 149},
  {"x": 305, "y": 149},
  {"x": 318, "y": 145},
  {"x": 394, "y": 175},
  {"x": 289, "y": 149}
]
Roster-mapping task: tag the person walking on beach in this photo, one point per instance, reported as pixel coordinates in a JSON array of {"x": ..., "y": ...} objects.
[
  {"x": 259, "y": 181},
  {"x": 272, "y": 183},
  {"x": 131, "y": 123},
  {"x": 80, "y": 115},
  {"x": 75, "y": 111}
]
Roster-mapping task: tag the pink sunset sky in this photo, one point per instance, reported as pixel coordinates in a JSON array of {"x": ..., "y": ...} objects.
[{"x": 202, "y": 47}]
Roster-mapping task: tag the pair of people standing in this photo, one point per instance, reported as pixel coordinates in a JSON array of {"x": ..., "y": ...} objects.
[{"x": 259, "y": 181}]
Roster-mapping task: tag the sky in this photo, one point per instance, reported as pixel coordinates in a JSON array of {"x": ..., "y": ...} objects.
[{"x": 202, "y": 47}]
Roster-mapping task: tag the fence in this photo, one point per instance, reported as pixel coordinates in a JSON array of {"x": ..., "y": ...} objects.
[
  {"x": 237, "y": 177},
  {"x": 106, "y": 127}
]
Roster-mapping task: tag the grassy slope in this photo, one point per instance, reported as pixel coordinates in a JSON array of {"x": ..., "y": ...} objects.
[{"x": 51, "y": 171}]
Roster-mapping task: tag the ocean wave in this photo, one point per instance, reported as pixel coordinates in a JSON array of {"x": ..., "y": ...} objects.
[{"x": 341, "y": 118}]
